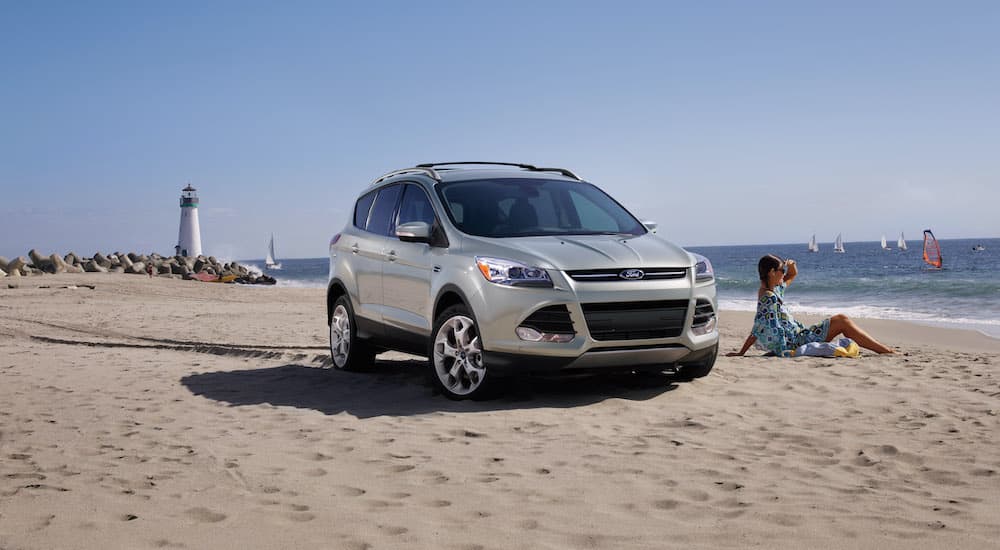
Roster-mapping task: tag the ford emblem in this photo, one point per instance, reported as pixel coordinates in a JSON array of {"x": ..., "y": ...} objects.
[{"x": 632, "y": 274}]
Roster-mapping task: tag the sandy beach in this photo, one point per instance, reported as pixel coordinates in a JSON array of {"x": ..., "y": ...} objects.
[{"x": 159, "y": 413}]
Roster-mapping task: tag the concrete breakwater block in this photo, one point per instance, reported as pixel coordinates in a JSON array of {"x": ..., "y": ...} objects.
[
  {"x": 17, "y": 265},
  {"x": 39, "y": 261}
]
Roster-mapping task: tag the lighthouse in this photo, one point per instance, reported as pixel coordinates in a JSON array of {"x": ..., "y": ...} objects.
[{"x": 189, "y": 236}]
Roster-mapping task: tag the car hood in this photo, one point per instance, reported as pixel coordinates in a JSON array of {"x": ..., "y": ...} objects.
[{"x": 572, "y": 252}]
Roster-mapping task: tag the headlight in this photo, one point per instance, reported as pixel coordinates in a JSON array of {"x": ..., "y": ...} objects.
[
  {"x": 703, "y": 268},
  {"x": 511, "y": 273}
]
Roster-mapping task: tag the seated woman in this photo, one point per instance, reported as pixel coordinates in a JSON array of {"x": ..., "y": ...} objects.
[{"x": 775, "y": 328}]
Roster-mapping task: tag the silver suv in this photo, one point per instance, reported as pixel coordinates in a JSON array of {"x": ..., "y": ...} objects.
[{"x": 492, "y": 269}]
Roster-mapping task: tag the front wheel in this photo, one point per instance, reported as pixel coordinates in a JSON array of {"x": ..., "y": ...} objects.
[
  {"x": 456, "y": 355},
  {"x": 346, "y": 350}
]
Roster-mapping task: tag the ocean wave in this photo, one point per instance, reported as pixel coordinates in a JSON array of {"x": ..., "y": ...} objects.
[
  {"x": 989, "y": 327},
  {"x": 301, "y": 283}
]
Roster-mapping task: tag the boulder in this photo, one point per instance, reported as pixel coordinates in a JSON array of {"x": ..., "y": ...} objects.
[
  {"x": 71, "y": 259},
  {"x": 175, "y": 267},
  {"x": 125, "y": 261},
  {"x": 138, "y": 268},
  {"x": 3, "y": 262},
  {"x": 117, "y": 269},
  {"x": 74, "y": 269},
  {"x": 94, "y": 267},
  {"x": 14, "y": 273},
  {"x": 58, "y": 265},
  {"x": 133, "y": 257},
  {"x": 39, "y": 261},
  {"x": 3, "y": 273},
  {"x": 167, "y": 269},
  {"x": 102, "y": 260},
  {"x": 198, "y": 265}
]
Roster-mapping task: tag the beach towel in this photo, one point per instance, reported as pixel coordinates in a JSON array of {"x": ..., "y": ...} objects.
[{"x": 840, "y": 347}]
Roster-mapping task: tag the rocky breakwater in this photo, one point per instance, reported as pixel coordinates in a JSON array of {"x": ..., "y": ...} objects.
[{"x": 200, "y": 268}]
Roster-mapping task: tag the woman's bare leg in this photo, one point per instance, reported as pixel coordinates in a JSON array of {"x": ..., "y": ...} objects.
[{"x": 841, "y": 323}]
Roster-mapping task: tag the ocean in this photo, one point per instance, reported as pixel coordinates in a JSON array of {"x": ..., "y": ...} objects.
[{"x": 865, "y": 281}]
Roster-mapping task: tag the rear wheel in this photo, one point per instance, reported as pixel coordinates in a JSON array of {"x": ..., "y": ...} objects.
[
  {"x": 346, "y": 350},
  {"x": 700, "y": 369},
  {"x": 456, "y": 355}
]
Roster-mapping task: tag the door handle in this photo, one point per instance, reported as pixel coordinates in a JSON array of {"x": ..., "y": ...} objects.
[
  {"x": 391, "y": 255},
  {"x": 354, "y": 248}
]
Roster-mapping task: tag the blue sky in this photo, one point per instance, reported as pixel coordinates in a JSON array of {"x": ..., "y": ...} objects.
[{"x": 726, "y": 122}]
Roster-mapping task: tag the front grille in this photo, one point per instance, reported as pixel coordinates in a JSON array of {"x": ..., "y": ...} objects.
[
  {"x": 635, "y": 320},
  {"x": 605, "y": 275},
  {"x": 703, "y": 312},
  {"x": 551, "y": 319}
]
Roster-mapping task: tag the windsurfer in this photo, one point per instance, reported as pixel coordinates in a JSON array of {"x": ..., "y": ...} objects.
[{"x": 775, "y": 328}]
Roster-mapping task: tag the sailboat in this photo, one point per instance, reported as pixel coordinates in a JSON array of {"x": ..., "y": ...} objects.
[
  {"x": 269, "y": 262},
  {"x": 838, "y": 245},
  {"x": 813, "y": 247},
  {"x": 901, "y": 243},
  {"x": 885, "y": 245},
  {"x": 932, "y": 251}
]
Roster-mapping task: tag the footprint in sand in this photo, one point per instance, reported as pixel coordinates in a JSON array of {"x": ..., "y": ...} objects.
[
  {"x": 528, "y": 524},
  {"x": 666, "y": 504},
  {"x": 392, "y": 529},
  {"x": 301, "y": 516},
  {"x": 350, "y": 491},
  {"x": 204, "y": 515},
  {"x": 315, "y": 472}
]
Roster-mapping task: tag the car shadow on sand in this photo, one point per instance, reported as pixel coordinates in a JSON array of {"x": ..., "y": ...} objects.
[{"x": 402, "y": 387}]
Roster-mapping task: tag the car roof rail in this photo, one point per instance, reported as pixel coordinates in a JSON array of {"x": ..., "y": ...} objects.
[
  {"x": 426, "y": 170},
  {"x": 530, "y": 167}
]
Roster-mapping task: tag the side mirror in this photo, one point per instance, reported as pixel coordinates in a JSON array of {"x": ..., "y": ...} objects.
[
  {"x": 651, "y": 225},
  {"x": 414, "y": 232}
]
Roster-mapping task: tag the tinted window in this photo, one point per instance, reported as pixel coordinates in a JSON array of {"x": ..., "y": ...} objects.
[
  {"x": 385, "y": 206},
  {"x": 361, "y": 210},
  {"x": 529, "y": 207},
  {"x": 415, "y": 206}
]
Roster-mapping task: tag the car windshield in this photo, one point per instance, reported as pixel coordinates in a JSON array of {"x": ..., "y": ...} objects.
[{"x": 534, "y": 207}]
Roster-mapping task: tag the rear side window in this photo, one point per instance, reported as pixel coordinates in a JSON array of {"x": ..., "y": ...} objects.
[
  {"x": 361, "y": 209},
  {"x": 380, "y": 221}
]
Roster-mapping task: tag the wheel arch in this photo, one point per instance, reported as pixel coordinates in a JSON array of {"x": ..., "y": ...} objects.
[
  {"x": 333, "y": 292},
  {"x": 448, "y": 296}
]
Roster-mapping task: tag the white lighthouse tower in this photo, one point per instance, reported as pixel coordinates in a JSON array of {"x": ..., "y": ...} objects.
[{"x": 189, "y": 237}]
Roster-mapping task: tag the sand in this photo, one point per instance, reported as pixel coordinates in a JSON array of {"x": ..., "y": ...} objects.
[{"x": 153, "y": 413}]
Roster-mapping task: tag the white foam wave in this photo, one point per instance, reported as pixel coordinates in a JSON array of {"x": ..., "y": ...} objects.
[
  {"x": 301, "y": 283},
  {"x": 989, "y": 327}
]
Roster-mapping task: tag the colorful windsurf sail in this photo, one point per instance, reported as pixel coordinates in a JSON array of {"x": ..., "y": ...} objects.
[{"x": 932, "y": 251}]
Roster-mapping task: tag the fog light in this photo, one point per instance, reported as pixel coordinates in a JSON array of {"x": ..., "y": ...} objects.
[
  {"x": 706, "y": 328},
  {"x": 532, "y": 335}
]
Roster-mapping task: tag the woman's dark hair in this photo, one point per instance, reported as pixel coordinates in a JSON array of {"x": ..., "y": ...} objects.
[{"x": 767, "y": 263}]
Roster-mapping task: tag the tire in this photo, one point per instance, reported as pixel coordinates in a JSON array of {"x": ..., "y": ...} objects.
[
  {"x": 456, "y": 356},
  {"x": 690, "y": 371},
  {"x": 347, "y": 351}
]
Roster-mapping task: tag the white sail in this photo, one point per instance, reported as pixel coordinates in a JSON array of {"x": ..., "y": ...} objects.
[
  {"x": 813, "y": 247},
  {"x": 269, "y": 260},
  {"x": 885, "y": 245},
  {"x": 901, "y": 243},
  {"x": 838, "y": 246}
]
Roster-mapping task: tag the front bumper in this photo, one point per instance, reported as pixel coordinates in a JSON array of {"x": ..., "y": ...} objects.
[
  {"x": 500, "y": 310},
  {"x": 503, "y": 364}
]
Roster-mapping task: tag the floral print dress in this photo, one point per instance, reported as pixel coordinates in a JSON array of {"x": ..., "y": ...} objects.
[{"x": 777, "y": 331}]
